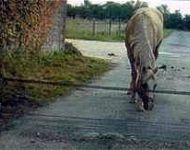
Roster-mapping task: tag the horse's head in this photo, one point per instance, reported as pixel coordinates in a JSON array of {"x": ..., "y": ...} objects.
[{"x": 147, "y": 85}]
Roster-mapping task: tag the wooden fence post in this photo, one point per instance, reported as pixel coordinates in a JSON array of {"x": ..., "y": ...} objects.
[
  {"x": 119, "y": 27},
  {"x": 94, "y": 27},
  {"x": 110, "y": 25}
]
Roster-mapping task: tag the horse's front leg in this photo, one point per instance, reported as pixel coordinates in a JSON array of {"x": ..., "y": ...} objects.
[
  {"x": 140, "y": 104},
  {"x": 138, "y": 99}
]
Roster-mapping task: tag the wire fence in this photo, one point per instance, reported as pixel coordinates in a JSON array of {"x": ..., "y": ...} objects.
[
  {"x": 95, "y": 27},
  {"x": 69, "y": 83}
]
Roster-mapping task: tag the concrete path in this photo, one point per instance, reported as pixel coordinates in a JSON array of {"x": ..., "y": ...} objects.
[{"x": 93, "y": 119}]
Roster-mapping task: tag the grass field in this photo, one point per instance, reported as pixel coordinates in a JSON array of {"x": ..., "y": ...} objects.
[{"x": 83, "y": 29}]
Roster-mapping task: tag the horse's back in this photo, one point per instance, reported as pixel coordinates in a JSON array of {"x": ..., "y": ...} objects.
[{"x": 144, "y": 30}]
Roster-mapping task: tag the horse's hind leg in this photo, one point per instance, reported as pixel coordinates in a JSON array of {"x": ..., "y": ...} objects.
[
  {"x": 133, "y": 83},
  {"x": 132, "y": 88},
  {"x": 130, "y": 91},
  {"x": 131, "y": 64}
]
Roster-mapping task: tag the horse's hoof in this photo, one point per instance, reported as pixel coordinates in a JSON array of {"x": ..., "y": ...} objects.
[
  {"x": 150, "y": 106},
  {"x": 140, "y": 107},
  {"x": 133, "y": 101}
]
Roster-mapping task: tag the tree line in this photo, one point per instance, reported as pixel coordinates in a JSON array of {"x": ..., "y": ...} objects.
[{"x": 122, "y": 12}]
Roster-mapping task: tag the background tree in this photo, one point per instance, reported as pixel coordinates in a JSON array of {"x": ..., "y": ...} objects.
[
  {"x": 123, "y": 12},
  {"x": 127, "y": 10},
  {"x": 175, "y": 20},
  {"x": 112, "y": 10},
  {"x": 166, "y": 13},
  {"x": 187, "y": 22},
  {"x": 87, "y": 4}
]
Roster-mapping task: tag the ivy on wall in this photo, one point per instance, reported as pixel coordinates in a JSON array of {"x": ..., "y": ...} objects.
[{"x": 25, "y": 23}]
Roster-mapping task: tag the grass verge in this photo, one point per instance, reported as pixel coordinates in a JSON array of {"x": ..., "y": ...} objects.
[
  {"x": 20, "y": 98},
  {"x": 55, "y": 67}
]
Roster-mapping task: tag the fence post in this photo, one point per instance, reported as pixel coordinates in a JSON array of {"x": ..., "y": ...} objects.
[
  {"x": 110, "y": 25},
  {"x": 119, "y": 27},
  {"x": 93, "y": 26}
]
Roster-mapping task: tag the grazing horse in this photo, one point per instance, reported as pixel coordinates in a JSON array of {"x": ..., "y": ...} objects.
[{"x": 144, "y": 34}]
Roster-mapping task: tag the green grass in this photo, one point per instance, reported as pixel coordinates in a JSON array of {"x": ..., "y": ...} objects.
[
  {"x": 167, "y": 32},
  {"x": 82, "y": 29},
  {"x": 55, "y": 67},
  {"x": 97, "y": 37}
]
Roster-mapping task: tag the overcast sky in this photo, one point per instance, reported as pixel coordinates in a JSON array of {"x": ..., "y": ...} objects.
[{"x": 183, "y": 6}]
